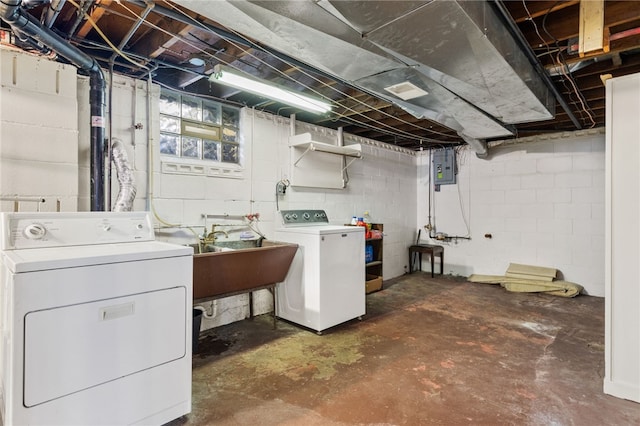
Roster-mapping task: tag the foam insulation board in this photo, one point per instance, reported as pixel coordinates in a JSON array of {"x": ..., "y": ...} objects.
[{"x": 531, "y": 271}]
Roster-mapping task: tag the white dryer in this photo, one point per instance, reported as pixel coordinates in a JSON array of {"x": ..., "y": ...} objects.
[
  {"x": 325, "y": 285},
  {"x": 95, "y": 320}
]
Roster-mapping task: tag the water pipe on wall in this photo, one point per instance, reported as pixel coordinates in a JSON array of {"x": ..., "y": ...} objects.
[{"x": 214, "y": 310}]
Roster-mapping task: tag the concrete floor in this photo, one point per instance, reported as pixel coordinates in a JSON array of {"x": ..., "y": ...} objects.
[{"x": 429, "y": 351}]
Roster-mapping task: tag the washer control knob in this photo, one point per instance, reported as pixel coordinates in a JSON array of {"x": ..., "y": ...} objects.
[
  {"x": 35, "y": 231},
  {"x": 306, "y": 216},
  {"x": 139, "y": 226},
  {"x": 106, "y": 227},
  {"x": 287, "y": 216}
]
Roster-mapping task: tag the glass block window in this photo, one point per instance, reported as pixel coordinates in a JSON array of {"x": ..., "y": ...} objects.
[
  {"x": 230, "y": 153},
  {"x": 195, "y": 128},
  {"x": 169, "y": 144},
  {"x": 191, "y": 147},
  {"x": 210, "y": 150}
]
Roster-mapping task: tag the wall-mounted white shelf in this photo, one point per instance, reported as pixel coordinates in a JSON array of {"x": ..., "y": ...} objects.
[
  {"x": 320, "y": 164},
  {"x": 305, "y": 141},
  {"x": 311, "y": 146}
]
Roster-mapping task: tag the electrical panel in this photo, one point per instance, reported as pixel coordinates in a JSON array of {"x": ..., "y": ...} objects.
[{"x": 444, "y": 167}]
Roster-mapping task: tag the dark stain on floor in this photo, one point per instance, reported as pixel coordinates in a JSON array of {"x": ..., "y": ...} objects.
[{"x": 438, "y": 351}]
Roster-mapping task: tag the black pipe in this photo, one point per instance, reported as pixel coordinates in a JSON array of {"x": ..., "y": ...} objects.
[
  {"x": 97, "y": 100},
  {"x": 26, "y": 24},
  {"x": 526, "y": 49}
]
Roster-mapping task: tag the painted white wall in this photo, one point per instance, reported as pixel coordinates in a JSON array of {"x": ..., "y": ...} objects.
[
  {"x": 622, "y": 215},
  {"x": 383, "y": 183},
  {"x": 38, "y": 133},
  {"x": 541, "y": 199}
]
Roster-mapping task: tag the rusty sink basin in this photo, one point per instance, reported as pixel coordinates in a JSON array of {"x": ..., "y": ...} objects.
[{"x": 224, "y": 271}]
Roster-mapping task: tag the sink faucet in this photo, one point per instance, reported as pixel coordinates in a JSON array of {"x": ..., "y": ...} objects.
[{"x": 211, "y": 236}]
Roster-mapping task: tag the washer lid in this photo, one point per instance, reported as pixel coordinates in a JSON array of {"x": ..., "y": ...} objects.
[{"x": 41, "y": 259}]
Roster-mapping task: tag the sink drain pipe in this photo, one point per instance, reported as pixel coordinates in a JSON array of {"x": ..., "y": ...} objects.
[{"x": 25, "y": 25}]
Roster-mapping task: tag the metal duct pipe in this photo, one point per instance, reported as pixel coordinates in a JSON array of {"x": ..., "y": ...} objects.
[
  {"x": 149, "y": 7},
  {"x": 84, "y": 8},
  {"x": 126, "y": 179},
  {"x": 27, "y": 25},
  {"x": 30, "y": 4},
  {"x": 163, "y": 11},
  {"x": 54, "y": 9},
  {"x": 526, "y": 49},
  {"x": 478, "y": 146}
]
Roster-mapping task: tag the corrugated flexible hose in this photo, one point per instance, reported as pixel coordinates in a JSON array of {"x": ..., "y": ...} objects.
[{"x": 126, "y": 179}]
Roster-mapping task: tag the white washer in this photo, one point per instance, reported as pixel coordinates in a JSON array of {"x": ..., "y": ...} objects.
[
  {"x": 95, "y": 320},
  {"x": 325, "y": 285}
]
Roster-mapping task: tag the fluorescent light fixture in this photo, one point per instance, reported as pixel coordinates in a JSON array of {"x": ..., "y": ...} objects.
[{"x": 230, "y": 77}]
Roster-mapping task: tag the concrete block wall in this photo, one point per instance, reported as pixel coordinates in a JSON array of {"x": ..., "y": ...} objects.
[
  {"x": 38, "y": 133},
  {"x": 383, "y": 183},
  {"x": 541, "y": 200}
]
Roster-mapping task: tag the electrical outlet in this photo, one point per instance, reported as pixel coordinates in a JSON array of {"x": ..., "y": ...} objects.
[{"x": 281, "y": 187}]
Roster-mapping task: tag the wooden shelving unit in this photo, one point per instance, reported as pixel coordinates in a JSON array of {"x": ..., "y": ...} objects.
[{"x": 373, "y": 269}]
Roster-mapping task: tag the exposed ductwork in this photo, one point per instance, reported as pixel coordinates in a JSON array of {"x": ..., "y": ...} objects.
[
  {"x": 25, "y": 25},
  {"x": 478, "y": 146},
  {"x": 470, "y": 73},
  {"x": 54, "y": 9},
  {"x": 126, "y": 179}
]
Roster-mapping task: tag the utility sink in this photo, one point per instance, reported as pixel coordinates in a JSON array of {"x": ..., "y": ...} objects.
[{"x": 234, "y": 267}]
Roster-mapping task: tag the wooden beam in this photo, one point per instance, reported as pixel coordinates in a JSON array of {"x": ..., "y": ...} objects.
[
  {"x": 591, "y": 37},
  {"x": 536, "y": 8},
  {"x": 564, "y": 24},
  {"x": 95, "y": 15}
]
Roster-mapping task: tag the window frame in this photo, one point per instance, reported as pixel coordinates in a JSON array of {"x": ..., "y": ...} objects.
[{"x": 217, "y": 125}]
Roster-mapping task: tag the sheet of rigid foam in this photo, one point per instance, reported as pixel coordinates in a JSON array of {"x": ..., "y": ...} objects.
[
  {"x": 536, "y": 271},
  {"x": 486, "y": 279},
  {"x": 528, "y": 277},
  {"x": 557, "y": 288}
]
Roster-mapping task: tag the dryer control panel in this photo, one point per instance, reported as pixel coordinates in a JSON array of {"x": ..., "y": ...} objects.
[{"x": 63, "y": 229}]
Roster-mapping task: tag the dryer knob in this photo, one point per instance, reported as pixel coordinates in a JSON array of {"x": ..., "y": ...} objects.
[{"x": 35, "y": 231}]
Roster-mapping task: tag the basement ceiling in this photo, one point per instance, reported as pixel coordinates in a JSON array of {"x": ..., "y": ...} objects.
[{"x": 416, "y": 74}]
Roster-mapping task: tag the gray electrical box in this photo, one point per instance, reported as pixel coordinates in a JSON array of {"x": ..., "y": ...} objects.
[{"x": 444, "y": 167}]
